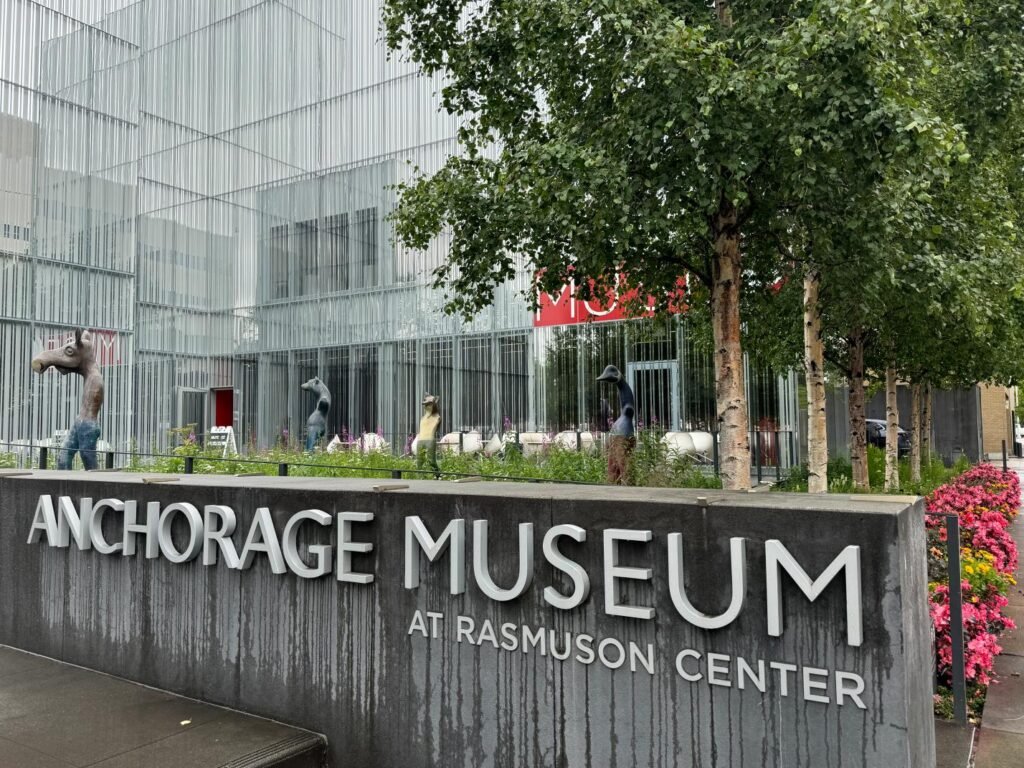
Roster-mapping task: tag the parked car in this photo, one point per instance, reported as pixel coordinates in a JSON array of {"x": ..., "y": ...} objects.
[{"x": 876, "y": 436}]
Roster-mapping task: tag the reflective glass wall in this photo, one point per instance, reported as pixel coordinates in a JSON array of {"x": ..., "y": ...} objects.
[
  {"x": 207, "y": 185},
  {"x": 69, "y": 100}
]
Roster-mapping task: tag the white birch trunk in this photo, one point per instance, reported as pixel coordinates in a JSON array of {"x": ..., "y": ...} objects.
[
  {"x": 730, "y": 392},
  {"x": 915, "y": 433},
  {"x": 814, "y": 369},
  {"x": 892, "y": 423}
]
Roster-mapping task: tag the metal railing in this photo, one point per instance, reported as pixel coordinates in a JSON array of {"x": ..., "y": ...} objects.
[
  {"x": 284, "y": 467},
  {"x": 772, "y": 456}
]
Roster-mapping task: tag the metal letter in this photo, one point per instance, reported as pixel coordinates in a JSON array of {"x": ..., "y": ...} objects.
[
  {"x": 613, "y": 571},
  {"x": 346, "y": 547},
  {"x": 290, "y": 546},
  {"x": 455, "y": 533},
  {"x": 262, "y": 524},
  {"x": 418, "y": 625},
  {"x": 70, "y": 521},
  {"x": 783, "y": 670},
  {"x": 580, "y": 579},
  {"x": 678, "y": 591},
  {"x": 854, "y": 692},
  {"x": 45, "y": 521},
  {"x": 214, "y": 536},
  {"x": 810, "y": 685},
  {"x": 195, "y": 533},
  {"x": 96, "y": 526},
  {"x": 688, "y": 653},
  {"x": 714, "y": 670},
  {"x": 148, "y": 529},
  {"x": 849, "y": 560},
  {"x": 481, "y": 570}
]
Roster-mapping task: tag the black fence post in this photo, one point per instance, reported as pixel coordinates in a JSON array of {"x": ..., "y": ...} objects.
[
  {"x": 110, "y": 460},
  {"x": 43, "y": 457},
  {"x": 1005, "y": 465},
  {"x": 956, "y": 619},
  {"x": 714, "y": 451},
  {"x": 757, "y": 447},
  {"x": 396, "y": 474},
  {"x": 778, "y": 458},
  {"x": 579, "y": 441},
  {"x": 189, "y": 464},
  {"x": 282, "y": 469}
]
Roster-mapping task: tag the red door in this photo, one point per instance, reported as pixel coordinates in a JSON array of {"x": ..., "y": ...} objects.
[{"x": 224, "y": 407}]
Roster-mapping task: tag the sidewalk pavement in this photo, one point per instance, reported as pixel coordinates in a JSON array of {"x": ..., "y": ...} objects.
[
  {"x": 953, "y": 744},
  {"x": 55, "y": 715},
  {"x": 1001, "y": 736}
]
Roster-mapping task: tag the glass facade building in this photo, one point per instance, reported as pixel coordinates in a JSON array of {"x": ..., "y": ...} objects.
[{"x": 207, "y": 186}]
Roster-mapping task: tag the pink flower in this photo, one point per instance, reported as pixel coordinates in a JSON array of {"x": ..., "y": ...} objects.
[{"x": 986, "y": 500}]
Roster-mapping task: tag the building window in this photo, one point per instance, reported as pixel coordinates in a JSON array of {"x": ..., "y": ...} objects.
[
  {"x": 277, "y": 263},
  {"x": 304, "y": 243},
  {"x": 17, "y": 232},
  {"x": 364, "y": 249},
  {"x": 7, "y": 230},
  {"x": 334, "y": 261},
  {"x": 27, "y": 232}
]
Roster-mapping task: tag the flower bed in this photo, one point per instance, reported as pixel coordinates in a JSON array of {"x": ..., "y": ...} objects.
[{"x": 986, "y": 500}]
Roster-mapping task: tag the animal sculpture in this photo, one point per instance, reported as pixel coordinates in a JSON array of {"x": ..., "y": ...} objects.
[
  {"x": 78, "y": 356},
  {"x": 316, "y": 424},
  {"x": 622, "y": 436},
  {"x": 426, "y": 439}
]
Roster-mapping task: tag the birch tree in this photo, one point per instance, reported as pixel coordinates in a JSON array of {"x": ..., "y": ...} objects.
[
  {"x": 651, "y": 137},
  {"x": 814, "y": 371}
]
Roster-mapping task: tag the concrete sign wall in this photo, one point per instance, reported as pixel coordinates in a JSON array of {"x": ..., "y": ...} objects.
[{"x": 492, "y": 624}]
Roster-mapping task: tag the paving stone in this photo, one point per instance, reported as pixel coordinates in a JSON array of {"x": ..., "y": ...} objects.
[
  {"x": 14, "y": 755},
  {"x": 953, "y": 744},
  {"x": 999, "y": 749},
  {"x": 1013, "y": 642},
  {"x": 54, "y": 715},
  {"x": 232, "y": 738}
]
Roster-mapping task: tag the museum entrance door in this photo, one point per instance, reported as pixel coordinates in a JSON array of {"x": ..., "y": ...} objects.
[
  {"x": 656, "y": 387},
  {"x": 223, "y": 407}
]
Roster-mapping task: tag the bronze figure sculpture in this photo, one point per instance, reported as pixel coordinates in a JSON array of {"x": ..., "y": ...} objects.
[
  {"x": 78, "y": 356},
  {"x": 426, "y": 440},
  {"x": 622, "y": 436},
  {"x": 316, "y": 424}
]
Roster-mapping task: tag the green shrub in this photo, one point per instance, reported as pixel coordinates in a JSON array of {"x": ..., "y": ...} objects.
[
  {"x": 840, "y": 475},
  {"x": 651, "y": 465}
]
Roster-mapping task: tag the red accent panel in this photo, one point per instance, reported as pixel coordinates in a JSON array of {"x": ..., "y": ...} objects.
[
  {"x": 224, "y": 407},
  {"x": 565, "y": 308}
]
